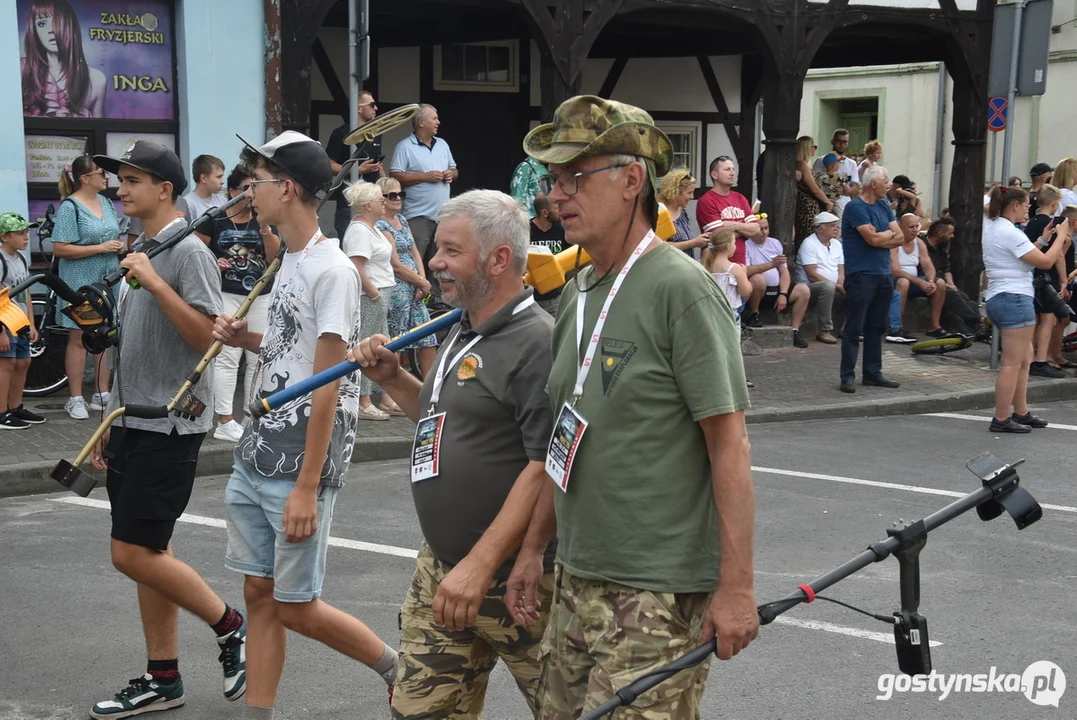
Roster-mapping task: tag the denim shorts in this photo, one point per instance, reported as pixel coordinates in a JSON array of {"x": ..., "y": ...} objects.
[
  {"x": 20, "y": 346},
  {"x": 1011, "y": 310},
  {"x": 257, "y": 545}
]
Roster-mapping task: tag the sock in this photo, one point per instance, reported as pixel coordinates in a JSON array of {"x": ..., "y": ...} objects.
[
  {"x": 258, "y": 713},
  {"x": 164, "y": 672},
  {"x": 386, "y": 666},
  {"x": 229, "y": 622}
]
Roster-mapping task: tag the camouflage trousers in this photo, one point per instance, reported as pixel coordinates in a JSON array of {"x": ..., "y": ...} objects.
[
  {"x": 443, "y": 673},
  {"x": 601, "y": 636}
]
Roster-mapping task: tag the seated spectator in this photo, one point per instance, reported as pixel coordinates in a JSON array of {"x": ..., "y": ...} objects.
[
  {"x": 821, "y": 269},
  {"x": 832, "y": 181},
  {"x": 768, "y": 273},
  {"x": 961, "y": 313},
  {"x": 906, "y": 260}
]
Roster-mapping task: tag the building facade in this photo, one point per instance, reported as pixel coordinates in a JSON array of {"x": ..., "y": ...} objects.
[{"x": 187, "y": 73}]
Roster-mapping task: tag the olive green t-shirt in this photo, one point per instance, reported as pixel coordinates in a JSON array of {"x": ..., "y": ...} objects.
[{"x": 639, "y": 508}]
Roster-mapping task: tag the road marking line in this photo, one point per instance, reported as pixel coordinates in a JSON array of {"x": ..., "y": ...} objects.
[
  {"x": 408, "y": 553},
  {"x": 842, "y": 630},
  {"x": 959, "y": 416},
  {"x": 218, "y": 523},
  {"x": 887, "y": 485}
]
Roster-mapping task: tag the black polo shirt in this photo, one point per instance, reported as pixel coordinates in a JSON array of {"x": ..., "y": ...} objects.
[{"x": 497, "y": 419}]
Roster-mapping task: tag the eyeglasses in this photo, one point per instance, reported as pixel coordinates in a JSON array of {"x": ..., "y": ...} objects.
[
  {"x": 255, "y": 183},
  {"x": 370, "y": 105},
  {"x": 396, "y": 195},
  {"x": 569, "y": 182}
]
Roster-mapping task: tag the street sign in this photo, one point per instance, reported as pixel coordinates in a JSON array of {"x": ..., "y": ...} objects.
[
  {"x": 1033, "y": 49},
  {"x": 996, "y": 114}
]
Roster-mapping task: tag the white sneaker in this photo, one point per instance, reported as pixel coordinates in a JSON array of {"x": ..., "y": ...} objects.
[
  {"x": 99, "y": 401},
  {"x": 76, "y": 408},
  {"x": 230, "y": 431}
]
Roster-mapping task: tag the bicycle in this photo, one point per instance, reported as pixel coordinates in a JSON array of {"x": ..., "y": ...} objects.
[
  {"x": 47, "y": 372},
  {"x": 951, "y": 343}
]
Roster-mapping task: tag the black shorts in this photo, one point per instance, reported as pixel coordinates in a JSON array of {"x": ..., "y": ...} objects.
[
  {"x": 150, "y": 479},
  {"x": 770, "y": 298}
]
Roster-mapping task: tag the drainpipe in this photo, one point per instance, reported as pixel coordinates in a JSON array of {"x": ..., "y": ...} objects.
[
  {"x": 274, "y": 97},
  {"x": 1011, "y": 111},
  {"x": 940, "y": 114}
]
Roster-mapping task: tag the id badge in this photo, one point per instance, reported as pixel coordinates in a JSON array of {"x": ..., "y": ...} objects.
[
  {"x": 565, "y": 441},
  {"x": 426, "y": 448}
]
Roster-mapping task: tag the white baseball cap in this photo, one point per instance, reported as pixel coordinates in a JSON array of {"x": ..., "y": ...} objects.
[{"x": 825, "y": 217}]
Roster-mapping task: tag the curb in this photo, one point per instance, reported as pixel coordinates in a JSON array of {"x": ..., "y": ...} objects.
[
  {"x": 216, "y": 459},
  {"x": 33, "y": 478}
]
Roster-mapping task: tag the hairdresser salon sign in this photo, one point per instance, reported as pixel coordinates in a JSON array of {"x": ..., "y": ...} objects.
[{"x": 97, "y": 59}]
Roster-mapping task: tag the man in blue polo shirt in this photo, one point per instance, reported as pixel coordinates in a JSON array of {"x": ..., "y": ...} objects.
[
  {"x": 868, "y": 231},
  {"x": 424, "y": 165}
]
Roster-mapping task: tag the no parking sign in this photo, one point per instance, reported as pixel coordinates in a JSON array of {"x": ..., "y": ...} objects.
[{"x": 996, "y": 114}]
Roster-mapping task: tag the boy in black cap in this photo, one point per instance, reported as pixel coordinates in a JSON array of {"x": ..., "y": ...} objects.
[
  {"x": 166, "y": 328},
  {"x": 1040, "y": 175},
  {"x": 291, "y": 463}
]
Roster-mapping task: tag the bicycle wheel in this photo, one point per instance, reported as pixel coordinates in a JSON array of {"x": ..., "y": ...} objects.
[
  {"x": 941, "y": 346},
  {"x": 47, "y": 372}
]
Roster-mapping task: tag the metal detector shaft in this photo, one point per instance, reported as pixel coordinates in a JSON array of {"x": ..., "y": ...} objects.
[
  {"x": 260, "y": 407},
  {"x": 992, "y": 490}
]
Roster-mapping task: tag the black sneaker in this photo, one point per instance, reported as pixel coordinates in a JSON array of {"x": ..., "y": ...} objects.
[
  {"x": 1029, "y": 419},
  {"x": 901, "y": 337},
  {"x": 753, "y": 320},
  {"x": 8, "y": 421},
  {"x": 1009, "y": 425},
  {"x": 799, "y": 341},
  {"x": 1043, "y": 369},
  {"x": 26, "y": 416},
  {"x": 142, "y": 695},
  {"x": 233, "y": 660}
]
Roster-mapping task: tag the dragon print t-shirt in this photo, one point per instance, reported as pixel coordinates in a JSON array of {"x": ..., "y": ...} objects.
[{"x": 316, "y": 293}]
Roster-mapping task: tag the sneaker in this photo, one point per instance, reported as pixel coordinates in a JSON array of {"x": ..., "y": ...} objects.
[
  {"x": 825, "y": 337},
  {"x": 937, "y": 333},
  {"x": 99, "y": 401},
  {"x": 230, "y": 431},
  {"x": 26, "y": 416},
  {"x": 233, "y": 659},
  {"x": 142, "y": 695},
  {"x": 1042, "y": 369},
  {"x": 1009, "y": 425},
  {"x": 752, "y": 319},
  {"x": 798, "y": 341},
  {"x": 1029, "y": 419},
  {"x": 8, "y": 421},
  {"x": 76, "y": 408},
  {"x": 900, "y": 337}
]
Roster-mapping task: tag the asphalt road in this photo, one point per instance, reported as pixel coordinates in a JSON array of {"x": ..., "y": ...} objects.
[{"x": 994, "y": 596}]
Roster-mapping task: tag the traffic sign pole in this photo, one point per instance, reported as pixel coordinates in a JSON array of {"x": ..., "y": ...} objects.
[{"x": 1007, "y": 142}]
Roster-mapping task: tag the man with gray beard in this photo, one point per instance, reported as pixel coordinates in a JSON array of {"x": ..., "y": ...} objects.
[{"x": 478, "y": 464}]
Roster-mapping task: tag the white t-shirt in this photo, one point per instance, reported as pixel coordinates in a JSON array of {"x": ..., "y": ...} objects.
[
  {"x": 825, "y": 259},
  {"x": 1003, "y": 246},
  {"x": 196, "y": 205},
  {"x": 313, "y": 296},
  {"x": 361, "y": 240},
  {"x": 762, "y": 254}
]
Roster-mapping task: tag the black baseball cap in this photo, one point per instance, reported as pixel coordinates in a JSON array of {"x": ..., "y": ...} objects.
[
  {"x": 1040, "y": 169},
  {"x": 903, "y": 181},
  {"x": 302, "y": 158},
  {"x": 151, "y": 157}
]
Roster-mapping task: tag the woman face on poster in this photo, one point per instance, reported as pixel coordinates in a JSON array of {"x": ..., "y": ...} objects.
[{"x": 56, "y": 80}]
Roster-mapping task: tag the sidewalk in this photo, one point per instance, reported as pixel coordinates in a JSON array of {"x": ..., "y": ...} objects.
[{"x": 790, "y": 384}]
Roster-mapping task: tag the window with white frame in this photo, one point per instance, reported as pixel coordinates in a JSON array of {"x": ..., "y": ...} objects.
[
  {"x": 478, "y": 67},
  {"x": 685, "y": 139}
]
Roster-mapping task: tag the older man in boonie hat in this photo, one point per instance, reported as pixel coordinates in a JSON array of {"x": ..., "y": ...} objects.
[{"x": 649, "y": 457}]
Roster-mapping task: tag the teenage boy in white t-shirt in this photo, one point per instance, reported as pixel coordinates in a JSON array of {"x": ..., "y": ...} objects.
[{"x": 292, "y": 462}]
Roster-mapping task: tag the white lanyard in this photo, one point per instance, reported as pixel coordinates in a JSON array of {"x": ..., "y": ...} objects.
[
  {"x": 306, "y": 251},
  {"x": 581, "y": 303},
  {"x": 439, "y": 377}
]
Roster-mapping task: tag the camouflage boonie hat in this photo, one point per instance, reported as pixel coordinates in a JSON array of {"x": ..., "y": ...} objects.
[
  {"x": 13, "y": 222},
  {"x": 586, "y": 125}
]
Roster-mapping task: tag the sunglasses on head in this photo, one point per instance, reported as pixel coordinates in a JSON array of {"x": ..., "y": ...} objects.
[{"x": 396, "y": 195}]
